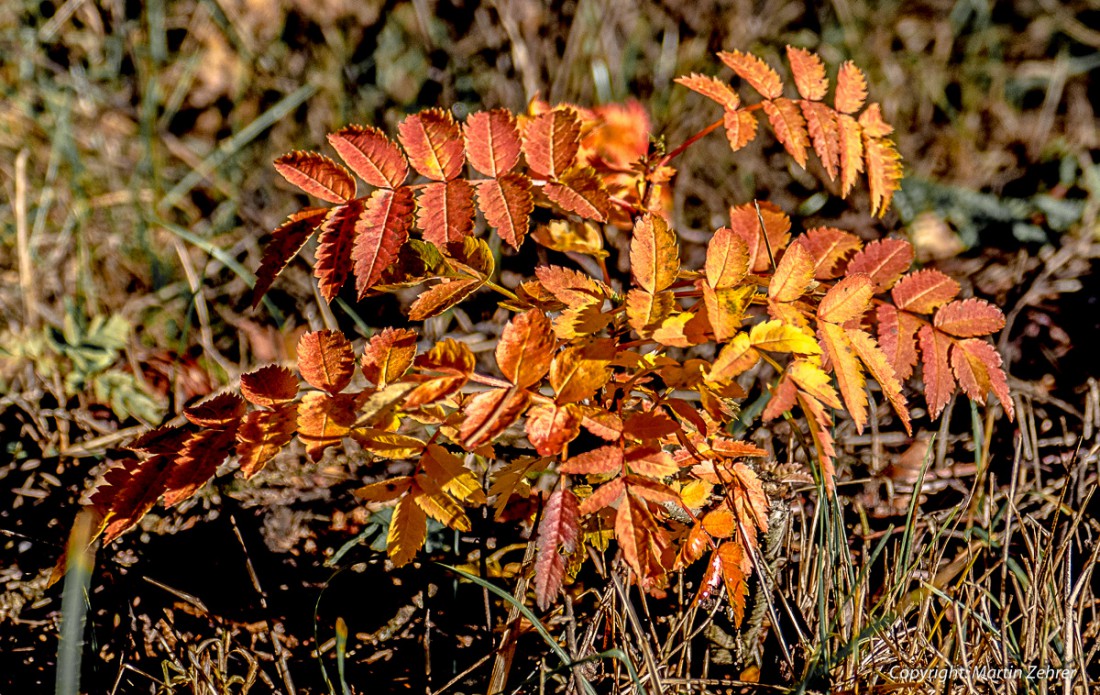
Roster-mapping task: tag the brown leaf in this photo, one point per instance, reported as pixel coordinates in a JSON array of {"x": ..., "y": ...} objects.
[{"x": 269, "y": 386}]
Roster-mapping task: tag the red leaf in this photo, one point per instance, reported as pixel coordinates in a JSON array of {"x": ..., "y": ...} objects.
[
  {"x": 782, "y": 399},
  {"x": 434, "y": 144},
  {"x": 830, "y": 247},
  {"x": 371, "y": 155},
  {"x": 507, "y": 204},
  {"x": 334, "y": 248},
  {"x": 489, "y": 413},
  {"x": 492, "y": 141},
  {"x": 219, "y": 412},
  {"x": 921, "y": 292},
  {"x": 969, "y": 318},
  {"x": 551, "y": 427},
  {"x": 286, "y": 241},
  {"x": 380, "y": 232},
  {"x": 581, "y": 192},
  {"x": 754, "y": 71},
  {"x": 551, "y": 142},
  {"x": 326, "y": 360},
  {"x": 883, "y": 261},
  {"x": 897, "y": 334},
  {"x": 196, "y": 464},
  {"x": 603, "y": 496},
  {"x": 558, "y": 531},
  {"x": 446, "y": 211},
  {"x": 711, "y": 88},
  {"x": 789, "y": 126},
  {"x": 978, "y": 368},
  {"x": 130, "y": 491},
  {"x": 851, "y": 88},
  {"x": 603, "y": 460},
  {"x": 264, "y": 433},
  {"x": 317, "y": 175},
  {"x": 269, "y": 386},
  {"x": 808, "y": 72},
  {"x": 650, "y": 425},
  {"x": 939, "y": 384}
]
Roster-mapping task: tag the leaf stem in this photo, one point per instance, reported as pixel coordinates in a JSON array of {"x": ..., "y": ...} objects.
[{"x": 502, "y": 290}]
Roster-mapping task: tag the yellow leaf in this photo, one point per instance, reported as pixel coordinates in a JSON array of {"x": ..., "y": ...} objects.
[{"x": 776, "y": 336}]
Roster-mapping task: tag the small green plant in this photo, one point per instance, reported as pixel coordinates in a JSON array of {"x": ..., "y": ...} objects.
[{"x": 605, "y": 383}]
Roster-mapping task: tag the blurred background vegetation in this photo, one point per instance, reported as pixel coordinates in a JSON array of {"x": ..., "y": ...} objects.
[{"x": 136, "y": 140}]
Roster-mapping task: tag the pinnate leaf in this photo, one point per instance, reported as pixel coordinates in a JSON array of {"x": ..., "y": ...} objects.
[
  {"x": 317, "y": 175},
  {"x": 388, "y": 355},
  {"x": 755, "y": 71},
  {"x": 525, "y": 349},
  {"x": 446, "y": 211},
  {"x": 269, "y": 386},
  {"x": 793, "y": 275},
  {"x": 507, "y": 204},
  {"x": 851, "y": 88},
  {"x": 969, "y": 318},
  {"x": 286, "y": 241},
  {"x": 654, "y": 254},
  {"x": 883, "y": 172},
  {"x": 582, "y": 192},
  {"x": 558, "y": 532},
  {"x": 371, "y": 155},
  {"x": 551, "y": 142},
  {"x": 939, "y": 383},
  {"x": 380, "y": 232},
  {"x": 789, "y": 126},
  {"x": 740, "y": 128},
  {"x": 848, "y": 299},
  {"x": 711, "y": 88},
  {"x": 408, "y": 531},
  {"x": 326, "y": 360},
  {"x": 492, "y": 141},
  {"x": 433, "y": 141},
  {"x": 489, "y": 413},
  {"x": 883, "y": 260},
  {"x": 334, "y": 248},
  {"x": 808, "y": 72},
  {"x": 921, "y": 292},
  {"x": 978, "y": 369}
]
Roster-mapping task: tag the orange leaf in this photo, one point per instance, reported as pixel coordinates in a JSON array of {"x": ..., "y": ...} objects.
[
  {"x": 408, "y": 531},
  {"x": 821, "y": 423},
  {"x": 808, "y": 72},
  {"x": 978, "y": 368},
  {"x": 388, "y": 355},
  {"x": 582, "y": 192},
  {"x": 644, "y": 545},
  {"x": 334, "y": 248},
  {"x": 651, "y": 462},
  {"x": 883, "y": 172},
  {"x": 384, "y": 490},
  {"x": 434, "y": 144},
  {"x": 879, "y": 366},
  {"x": 734, "y": 568},
  {"x": 160, "y": 440},
  {"x": 492, "y": 141},
  {"x": 883, "y": 260},
  {"x": 727, "y": 259},
  {"x": 580, "y": 370},
  {"x": 603, "y": 496},
  {"x": 726, "y": 309},
  {"x": 851, "y": 152},
  {"x": 756, "y": 72},
  {"x": 813, "y": 380},
  {"x": 789, "y": 126},
  {"x": 939, "y": 384},
  {"x": 849, "y": 373},
  {"x": 921, "y": 292},
  {"x": 873, "y": 124},
  {"x": 551, "y": 142},
  {"x": 558, "y": 532},
  {"x": 654, "y": 253},
  {"x": 605, "y": 425},
  {"x": 646, "y": 312},
  {"x": 286, "y": 241},
  {"x": 649, "y": 425},
  {"x": 651, "y": 490},
  {"x": 446, "y": 211},
  {"x": 269, "y": 386},
  {"x": 196, "y": 464},
  {"x": 750, "y": 502},
  {"x": 897, "y": 334},
  {"x": 446, "y": 471},
  {"x": 719, "y": 522},
  {"x": 507, "y": 205},
  {"x": 821, "y": 122},
  {"x": 324, "y": 421},
  {"x": 740, "y": 128},
  {"x": 551, "y": 427},
  {"x": 746, "y": 224},
  {"x": 830, "y": 247},
  {"x": 453, "y": 361},
  {"x": 600, "y": 461},
  {"x": 851, "y": 88},
  {"x": 218, "y": 413},
  {"x": 793, "y": 275},
  {"x": 130, "y": 490},
  {"x": 969, "y": 318},
  {"x": 371, "y": 155},
  {"x": 439, "y": 298},
  {"x": 847, "y": 300},
  {"x": 735, "y": 358},
  {"x": 571, "y": 287},
  {"x": 489, "y": 413},
  {"x": 326, "y": 360},
  {"x": 317, "y": 175},
  {"x": 712, "y": 89},
  {"x": 525, "y": 349},
  {"x": 263, "y": 434},
  {"x": 380, "y": 232}
]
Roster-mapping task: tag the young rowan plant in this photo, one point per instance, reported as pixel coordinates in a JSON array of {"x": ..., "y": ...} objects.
[{"x": 612, "y": 358}]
